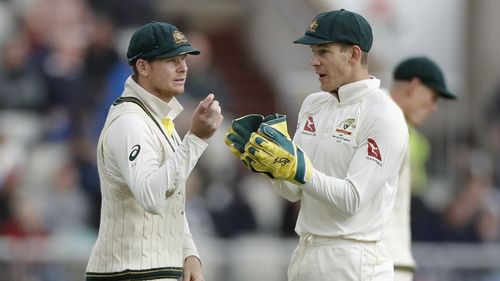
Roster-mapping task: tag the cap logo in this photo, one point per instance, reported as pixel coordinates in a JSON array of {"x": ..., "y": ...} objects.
[
  {"x": 179, "y": 37},
  {"x": 312, "y": 27}
]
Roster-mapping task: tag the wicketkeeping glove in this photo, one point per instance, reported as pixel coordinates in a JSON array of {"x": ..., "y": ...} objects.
[
  {"x": 271, "y": 151},
  {"x": 240, "y": 131}
]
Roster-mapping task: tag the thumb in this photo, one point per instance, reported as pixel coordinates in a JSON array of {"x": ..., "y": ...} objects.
[{"x": 207, "y": 101}]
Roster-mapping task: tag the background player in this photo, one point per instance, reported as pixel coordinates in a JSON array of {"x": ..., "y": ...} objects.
[{"x": 418, "y": 83}]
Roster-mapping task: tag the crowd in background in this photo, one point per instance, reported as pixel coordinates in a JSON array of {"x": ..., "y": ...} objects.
[{"x": 63, "y": 64}]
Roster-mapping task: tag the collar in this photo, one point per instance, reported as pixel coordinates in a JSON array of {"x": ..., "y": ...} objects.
[
  {"x": 354, "y": 91},
  {"x": 157, "y": 106}
]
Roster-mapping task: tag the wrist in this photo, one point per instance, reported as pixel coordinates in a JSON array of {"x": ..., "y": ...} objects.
[{"x": 193, "y": 258}]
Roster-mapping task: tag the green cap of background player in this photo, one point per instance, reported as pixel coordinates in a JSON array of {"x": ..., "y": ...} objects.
[
  {"x": 339, "y": 26},
  {"x": 425, "y": 70},
  {"x": 158, "y": 39}
]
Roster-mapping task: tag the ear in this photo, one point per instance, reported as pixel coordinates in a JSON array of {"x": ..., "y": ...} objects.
[
  {"x": 142, "y": 67},
  {"x": 413, "y": 85},
  {"x": 356, "y": 54}
]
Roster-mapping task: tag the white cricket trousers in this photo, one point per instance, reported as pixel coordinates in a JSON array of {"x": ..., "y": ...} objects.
[{"x": 333, "y": 259}]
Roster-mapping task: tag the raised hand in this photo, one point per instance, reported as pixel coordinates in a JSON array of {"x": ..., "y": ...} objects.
[{"x": 206, "y": 118}]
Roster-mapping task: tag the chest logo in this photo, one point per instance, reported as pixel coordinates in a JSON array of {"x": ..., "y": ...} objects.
[
  {"x": 309, "y": 126},
  {"x": 135, "y": 151},
  {"x": 373, "y": 149},
  {"x": 346, "y": 126}
]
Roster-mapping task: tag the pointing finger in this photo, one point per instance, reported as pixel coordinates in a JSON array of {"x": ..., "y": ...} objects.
[{"x": 207, "y": 101}]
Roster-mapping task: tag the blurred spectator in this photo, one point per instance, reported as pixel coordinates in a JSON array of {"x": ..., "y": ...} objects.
[
  {"x": 198, "y": 215},
  {"x": 67, "y": 208},
  {"x": 231, "y": 213},
  {"x": 22, "y": 83},
  {"x": 84, "y": 159},
  {"x": 204, "y": 77},
  {"x": 472, "y": 215},
  {"x": 26, "y": 220},
  {"x": 135, "y": 12},
  {"x": 100, "y": 58},
  {"x": 492, "y": 118}
]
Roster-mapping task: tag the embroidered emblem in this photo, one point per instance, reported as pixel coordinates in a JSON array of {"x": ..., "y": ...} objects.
[
  {"x": 313, "y": 26},
  {"x": 344, "y": 126},
  {"x": 179, "y": 37}
]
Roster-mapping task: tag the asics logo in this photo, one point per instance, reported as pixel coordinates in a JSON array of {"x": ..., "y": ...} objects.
[{"x": 135, "y": 151}]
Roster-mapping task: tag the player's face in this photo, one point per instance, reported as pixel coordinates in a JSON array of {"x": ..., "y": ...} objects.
[
  {"x": 331, "y": 64},
  {"x": 423, "y": 103},
  {"x": 167, "y": 76}
]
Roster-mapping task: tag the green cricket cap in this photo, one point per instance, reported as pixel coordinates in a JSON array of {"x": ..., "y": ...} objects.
[
  {"x": 158, "y": 39},
  {"x": 427, "y": 71},
  {"x": 339, "y": 26}
]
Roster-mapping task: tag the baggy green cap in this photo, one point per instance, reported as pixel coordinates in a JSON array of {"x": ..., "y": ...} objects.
[
  {"x": 427, "y": 71},
  {"x": 158, "y": 39},
  {"x": 339, "y": 26}
]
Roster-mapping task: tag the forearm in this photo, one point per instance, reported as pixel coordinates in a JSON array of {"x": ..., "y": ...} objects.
[
  {"x": 289, "y": 191},
  {"x": 164, "y": 182},
  {"x": 189, "y": 247},
  {"x": 176, "y": 169},
  {"x": 339, "y": 193}
]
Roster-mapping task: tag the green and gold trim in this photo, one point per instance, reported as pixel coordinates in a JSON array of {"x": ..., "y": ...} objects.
[
  {"x": 146, "y": 274},
  {"x": 143, "y": 107}
]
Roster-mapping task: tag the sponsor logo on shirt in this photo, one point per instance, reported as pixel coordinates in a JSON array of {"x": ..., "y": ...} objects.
[
  {"x": 309, "y": 127},
  {"x": 374, "y": 152}
]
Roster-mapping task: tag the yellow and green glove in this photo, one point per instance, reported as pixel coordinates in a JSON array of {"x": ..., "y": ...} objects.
[
  {"x": 240, "y": 131},
  {"x": 271, "y": 151}
]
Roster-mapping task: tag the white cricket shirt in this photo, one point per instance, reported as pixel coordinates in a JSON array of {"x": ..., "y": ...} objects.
[{"x": 357, "y": 146}]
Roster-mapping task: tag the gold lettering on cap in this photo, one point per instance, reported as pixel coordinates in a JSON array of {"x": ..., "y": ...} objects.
[
  {"x": 312, "y": 27},
  {"x": 179, "y": 37}
]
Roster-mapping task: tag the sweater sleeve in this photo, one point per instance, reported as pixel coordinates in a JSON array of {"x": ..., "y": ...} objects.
[{"x": 132, "y": 144}]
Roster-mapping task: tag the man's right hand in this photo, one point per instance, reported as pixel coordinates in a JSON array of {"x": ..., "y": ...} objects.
[{"x": 206, "y": 118}]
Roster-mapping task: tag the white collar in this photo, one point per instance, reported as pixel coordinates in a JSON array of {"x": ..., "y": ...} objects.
[
  {"x": 157, "y": 106},
  {"x": 351, "y": 92}
]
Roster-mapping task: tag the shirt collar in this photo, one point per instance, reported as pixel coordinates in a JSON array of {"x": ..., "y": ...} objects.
[
  {"x": 351, "y": 92},
  {"x": 157, "y": 106}
]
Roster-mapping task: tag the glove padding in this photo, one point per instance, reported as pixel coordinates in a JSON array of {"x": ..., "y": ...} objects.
[
  {"x": 240, "y": 131},
  {"x": 272, "y": 152}
]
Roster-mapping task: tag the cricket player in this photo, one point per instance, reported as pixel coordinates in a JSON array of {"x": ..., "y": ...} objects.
[
  {"x": 344, "y": 161},
  {"x": 418, "y": 83},
  {"x": 143, "y": 165}
]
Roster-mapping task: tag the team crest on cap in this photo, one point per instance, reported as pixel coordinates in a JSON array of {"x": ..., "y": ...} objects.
[
  {"x": 179, "y": 37},
  {"x": 312, "y": 27}
]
